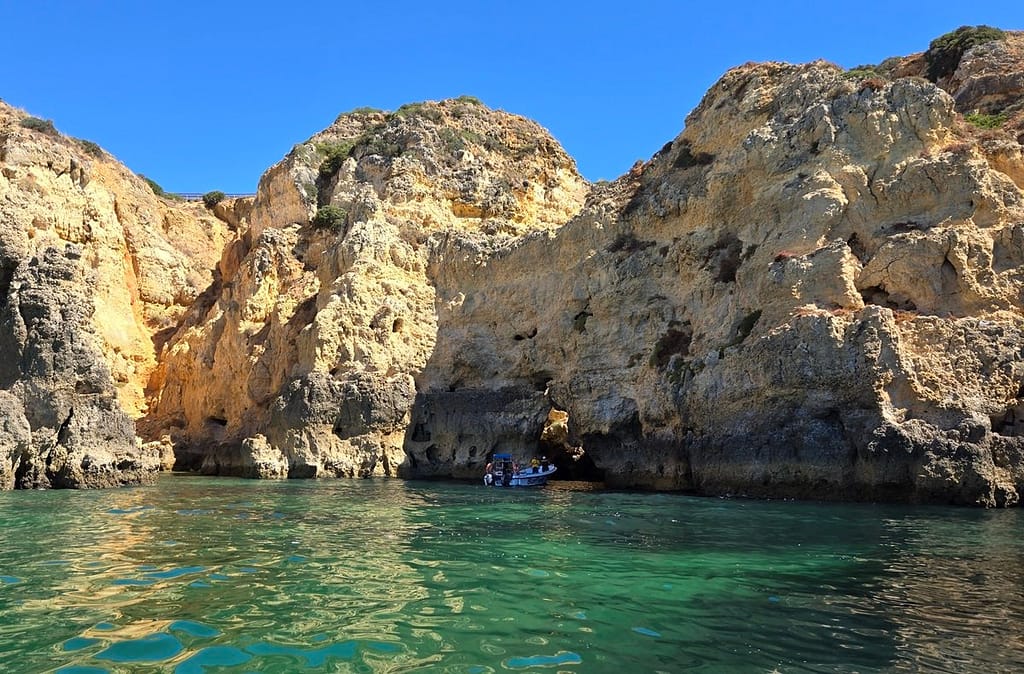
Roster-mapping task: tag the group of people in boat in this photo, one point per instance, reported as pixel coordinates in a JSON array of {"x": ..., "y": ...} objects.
[{"x": 535, "y": 465}]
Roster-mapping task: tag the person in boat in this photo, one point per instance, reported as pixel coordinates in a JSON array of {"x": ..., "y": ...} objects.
[
  {"x": 544, "y": 463},
  {"x": 535, "y": 464}
]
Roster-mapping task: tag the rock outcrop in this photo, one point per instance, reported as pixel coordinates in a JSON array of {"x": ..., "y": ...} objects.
[
  {"x": 303, "y": 359},
  {"x": 814, "y": 291},
  {"x": 94, "y": 269}
]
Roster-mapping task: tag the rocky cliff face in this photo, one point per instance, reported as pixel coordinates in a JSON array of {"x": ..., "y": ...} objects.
[
  {"x": 93, "y": 267},
  {"x": 303, "y": 359},
  {"x": 814, "y": 291}
]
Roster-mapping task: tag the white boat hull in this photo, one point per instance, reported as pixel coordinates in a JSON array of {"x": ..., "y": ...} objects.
[{"x": 524, "y": 478}]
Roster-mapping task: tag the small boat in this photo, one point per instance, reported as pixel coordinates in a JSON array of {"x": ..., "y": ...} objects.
[{"x": 503, "y": 473}]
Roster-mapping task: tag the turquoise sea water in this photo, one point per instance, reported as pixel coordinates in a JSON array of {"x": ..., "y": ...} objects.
[{"x": 201, "y": 575}]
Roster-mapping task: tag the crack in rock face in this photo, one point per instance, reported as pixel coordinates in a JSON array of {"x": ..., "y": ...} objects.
[{"x": 814, "y": 291}]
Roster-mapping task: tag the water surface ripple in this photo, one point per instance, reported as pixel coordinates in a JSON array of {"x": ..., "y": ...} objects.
[{"x": 197, "y": 575}]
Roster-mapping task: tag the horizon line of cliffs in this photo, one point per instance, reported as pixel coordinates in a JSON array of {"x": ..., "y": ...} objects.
[{"x": 814, "y": 291}]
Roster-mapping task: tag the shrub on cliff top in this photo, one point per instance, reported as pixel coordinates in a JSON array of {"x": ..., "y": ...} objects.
[
  {"x": 335, "y": 155},
  {"x": 863, "y": 72},
  {"x": 153, "y": 185},
  {"x": 40, "y": 125},
  {"x": 425, "y": 109},
  {"x": 360, "y": 111},
  {"x": 211, "y": 199},
  {"x": 986, "y": 121},
  {"x": 90, "y": 147},
  {"x": 330, "y": 217},
  {"x": 944, "y": 52}
]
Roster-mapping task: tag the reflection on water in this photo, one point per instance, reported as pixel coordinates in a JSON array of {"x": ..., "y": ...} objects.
[
  {"x": 952, "y": 577},
  {"x": 202, "y": 575}
]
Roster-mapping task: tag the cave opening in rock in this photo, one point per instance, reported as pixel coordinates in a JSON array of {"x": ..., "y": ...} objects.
[{"x": 572, "y": 461}]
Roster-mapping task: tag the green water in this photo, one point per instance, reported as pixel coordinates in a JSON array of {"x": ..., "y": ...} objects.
[{"x": 215, "y": 575}]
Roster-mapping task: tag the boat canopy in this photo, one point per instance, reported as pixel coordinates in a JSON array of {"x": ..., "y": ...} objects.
[{"x": 502, "y": 457}]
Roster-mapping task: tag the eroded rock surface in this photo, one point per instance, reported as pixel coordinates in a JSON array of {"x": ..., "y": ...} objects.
[
  {"x": 93, "y": 267},
  {"x": 814, "y": 291},
  {"x": 305, "y": 359}
]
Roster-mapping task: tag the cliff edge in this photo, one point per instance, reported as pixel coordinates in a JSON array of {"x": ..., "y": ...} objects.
[
  {"x": 814, "y": 291},
  {"x": 94, "y": 268}
]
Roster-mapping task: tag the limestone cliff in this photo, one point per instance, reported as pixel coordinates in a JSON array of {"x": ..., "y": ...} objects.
[
  {"x": 303, "y": 358},
  {"x": 93, "y": 268},
  {"x": 814, "y": 291}
]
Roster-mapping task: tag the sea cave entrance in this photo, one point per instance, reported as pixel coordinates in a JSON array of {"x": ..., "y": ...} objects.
[{"x": 571, "y": 459}]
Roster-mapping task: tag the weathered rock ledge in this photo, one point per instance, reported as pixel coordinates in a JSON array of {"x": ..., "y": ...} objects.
[
  {"x": 814, "y": 291},
  {"x": 94, "y": 270}
]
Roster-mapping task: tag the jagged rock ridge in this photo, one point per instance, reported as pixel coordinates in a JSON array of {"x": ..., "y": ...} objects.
[
  {"x": 94, "y": 269},
  {"x": 304, "y": 360},
  {"x": 814, "y": 291}
]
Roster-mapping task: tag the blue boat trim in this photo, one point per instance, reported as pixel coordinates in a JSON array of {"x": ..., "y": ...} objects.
[{"x": 502, "y": 471}]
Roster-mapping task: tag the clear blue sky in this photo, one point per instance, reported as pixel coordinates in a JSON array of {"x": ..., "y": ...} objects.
[{"x": 201, "y": 96}]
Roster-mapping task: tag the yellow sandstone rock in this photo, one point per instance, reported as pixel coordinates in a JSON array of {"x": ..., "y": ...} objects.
[{"x": 815, "y": 290}]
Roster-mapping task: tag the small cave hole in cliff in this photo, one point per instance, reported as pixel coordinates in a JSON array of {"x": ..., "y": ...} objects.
[
  {"x": 541, "y": 381},
  {"x": 420, "y": 432},
  {"x": 216, "y": 427},
  {"x": 878, "y": 295},
  {"x": 572, "y": 462},
  {"x": 433, "y": 454},
  {"x": 7, "y": 268},
  {"x": 1009, "y": 423},
  {"x": 857, "y": 247},
  {"x": 675, "y": 341},
  {"x": 723, "y": 258}
]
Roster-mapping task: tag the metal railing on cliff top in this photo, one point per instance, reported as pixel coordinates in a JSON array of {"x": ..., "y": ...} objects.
[{"x": 197, "y": 196}]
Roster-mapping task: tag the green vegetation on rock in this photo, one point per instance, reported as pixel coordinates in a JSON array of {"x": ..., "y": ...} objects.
[
  {"x": 330, "y": 217},
  {"x": 983, "y": 121},
  {"x": 335, "y": 155},
  {"x": 211, "y": 199},
  {"x": 944, "y": 52},
  {"x": 863, "y": 72},
  {"x": 155, "y": 186},
  {"x": 426, "y": 110},
  {"x": 90, "y": 147},
  {"x": 40, "y": 125}
]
